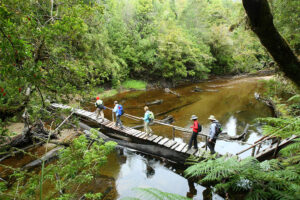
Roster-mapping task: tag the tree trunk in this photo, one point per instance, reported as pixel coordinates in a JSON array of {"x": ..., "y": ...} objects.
[{"x": 261, "y": 21}]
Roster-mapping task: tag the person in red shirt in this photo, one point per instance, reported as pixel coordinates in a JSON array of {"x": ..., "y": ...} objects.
[{"x": 195, "y": 132}]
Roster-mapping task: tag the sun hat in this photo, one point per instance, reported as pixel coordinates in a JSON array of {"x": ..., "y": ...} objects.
[
  {"x": 212, "y": 117},
  {"x": 193, "y": 117}
]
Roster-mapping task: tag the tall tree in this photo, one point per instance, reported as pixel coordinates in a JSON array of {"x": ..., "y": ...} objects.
[{"x": 261, "y": 20}]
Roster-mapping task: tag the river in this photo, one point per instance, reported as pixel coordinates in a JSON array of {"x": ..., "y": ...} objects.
[{"x": 231, "y": 101}]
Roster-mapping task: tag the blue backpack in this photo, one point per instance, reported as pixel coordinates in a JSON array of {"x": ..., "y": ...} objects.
[{"x": 120, "y": 110}]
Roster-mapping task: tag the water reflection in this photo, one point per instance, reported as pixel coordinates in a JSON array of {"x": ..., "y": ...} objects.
[
  {"x": 142, "y": 172},
  {"x": 231, "y": 101}
]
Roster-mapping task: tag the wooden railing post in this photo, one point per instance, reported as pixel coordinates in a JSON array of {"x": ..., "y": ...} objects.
[
  {"x": 206, "y": 143},
  {"x": 253, "y": 151},
  {"x": 258, "y": 149},
  {"x": 112, "y": 116},
  {"x": 173, "y": 133},
  {"x": 276, "y": 149}
]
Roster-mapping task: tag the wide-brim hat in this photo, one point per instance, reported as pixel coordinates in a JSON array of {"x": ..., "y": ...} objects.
[
  {"x": 193, "y": 117},
  {"x": 212, "y": 117}
]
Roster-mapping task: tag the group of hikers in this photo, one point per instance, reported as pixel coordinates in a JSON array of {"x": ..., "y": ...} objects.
[
  {"x": 215, "y": 127},
  {"x": 214, "y": 130}
]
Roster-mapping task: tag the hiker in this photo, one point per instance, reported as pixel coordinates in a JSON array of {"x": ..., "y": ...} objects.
[
  {"x": 196, "y": 129},
  {"x": 100, "y": 108},
  {"x": 147, "y": 120},
  {"x": 215, "y": 130},
  {"x": 118, "y": 109}
]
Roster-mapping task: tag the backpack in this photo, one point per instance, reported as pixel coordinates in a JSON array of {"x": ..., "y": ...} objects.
[
  {"x": 199, "y": 128},
  {"x": 120, "y": 110},
  {"x": 100, "y": 106},
  {"x": 218, "y": 129},
  {"x": 151, "y": 116}
]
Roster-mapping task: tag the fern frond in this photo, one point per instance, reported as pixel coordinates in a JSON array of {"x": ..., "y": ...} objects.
[
  {"x": 155, "y": 194},
  {"x": 295, "y": 98},
  {"x": 292, "y": 148}
]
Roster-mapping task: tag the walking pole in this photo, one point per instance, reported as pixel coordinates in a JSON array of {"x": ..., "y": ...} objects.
[{"x": 173, "y": 133}]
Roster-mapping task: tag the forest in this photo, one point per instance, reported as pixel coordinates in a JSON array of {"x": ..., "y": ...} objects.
[{"x": 70, "y": 51}]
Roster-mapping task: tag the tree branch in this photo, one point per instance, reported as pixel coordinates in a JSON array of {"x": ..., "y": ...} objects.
[{"x": 261, "y": 21}]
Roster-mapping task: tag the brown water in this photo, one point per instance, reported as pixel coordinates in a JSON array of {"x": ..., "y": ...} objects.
[{"x": 230, "y": 100}]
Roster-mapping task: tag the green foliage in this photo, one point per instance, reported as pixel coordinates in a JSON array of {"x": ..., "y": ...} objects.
[
  {"x": 265, "y": 180},
  {"x": 77, "y": 165},
  {"x": 134, "y": 84},
  {"x": 155, "y": 194},
  {"x": 281, "y": 127},
  {"x": 286, "y": 18}
]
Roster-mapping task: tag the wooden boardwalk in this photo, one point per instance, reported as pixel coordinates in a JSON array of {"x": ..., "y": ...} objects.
[
  {"x": 177, "y": 147},
  {"x": 173, "y": 148}
]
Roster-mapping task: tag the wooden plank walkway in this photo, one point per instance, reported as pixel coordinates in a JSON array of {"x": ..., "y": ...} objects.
[
  {"x": 172, "y": 146},
  {"x": 161, "y": 141}
]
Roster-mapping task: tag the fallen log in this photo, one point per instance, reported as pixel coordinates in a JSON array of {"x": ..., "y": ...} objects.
[
  {"x": 173, "y": 109},
  {"x": 197, "y": 89},
  {"x": 45, "y": 158},
  {"x": 269, "y": 103},
  {"x": 159, "y": 101},
  {"x": 30, "y": 135},
  {"x": 167, "y": 90},
  {"x": 237, "y": 137}
]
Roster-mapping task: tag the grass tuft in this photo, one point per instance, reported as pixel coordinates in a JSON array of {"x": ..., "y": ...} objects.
[{"x": 134, "y": 84}]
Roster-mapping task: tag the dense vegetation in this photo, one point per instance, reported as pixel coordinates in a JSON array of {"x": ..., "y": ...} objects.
[
  {"x": 66, "y": 47},
  {"x": 53, "y": 50}
]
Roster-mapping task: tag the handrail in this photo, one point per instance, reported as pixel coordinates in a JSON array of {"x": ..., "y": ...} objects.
[
  {"x": 267, "y": 138},
  {"x": 172, "y": 126}
]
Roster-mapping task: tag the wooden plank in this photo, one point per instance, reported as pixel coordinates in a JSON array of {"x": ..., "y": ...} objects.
[
  {"x": 185, "y": 149},
  {"x": 158, "y": 139},
  {"x": 198, "y": 152},
  {"x": 192, "y": 151},
  {"x": 153, "y": 137},
  {"x": 137, "y": 133},
  {"x": 80, "y": 111},
  {"x": 141, "y": 136},
  {"x": 163, "y": 141},
  {"x": 180, "y": 147},
  {"x": 106, "y": 122},
  {"x": 170, "y": 143},
  {"x": 129, "y": 132},
  {"x": 145, "y": 137},
  {"x": 176, "y": 145},
  {"x": 110, "y": 125}
]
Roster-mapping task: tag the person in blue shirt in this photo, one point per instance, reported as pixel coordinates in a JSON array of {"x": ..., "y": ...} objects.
[
  {"x": 118, "y": 116},
  {"x": 147, "y": 128},
  {"x": 211, "y": 143}
]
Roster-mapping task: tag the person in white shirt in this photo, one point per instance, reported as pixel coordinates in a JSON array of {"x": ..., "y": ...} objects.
[{"x": 100, "y": 108}]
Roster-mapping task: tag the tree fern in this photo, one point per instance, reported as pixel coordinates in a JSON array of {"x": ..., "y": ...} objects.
[
  {"x": 155, "y": 194},
  {"x": 267, "y": 180}
]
